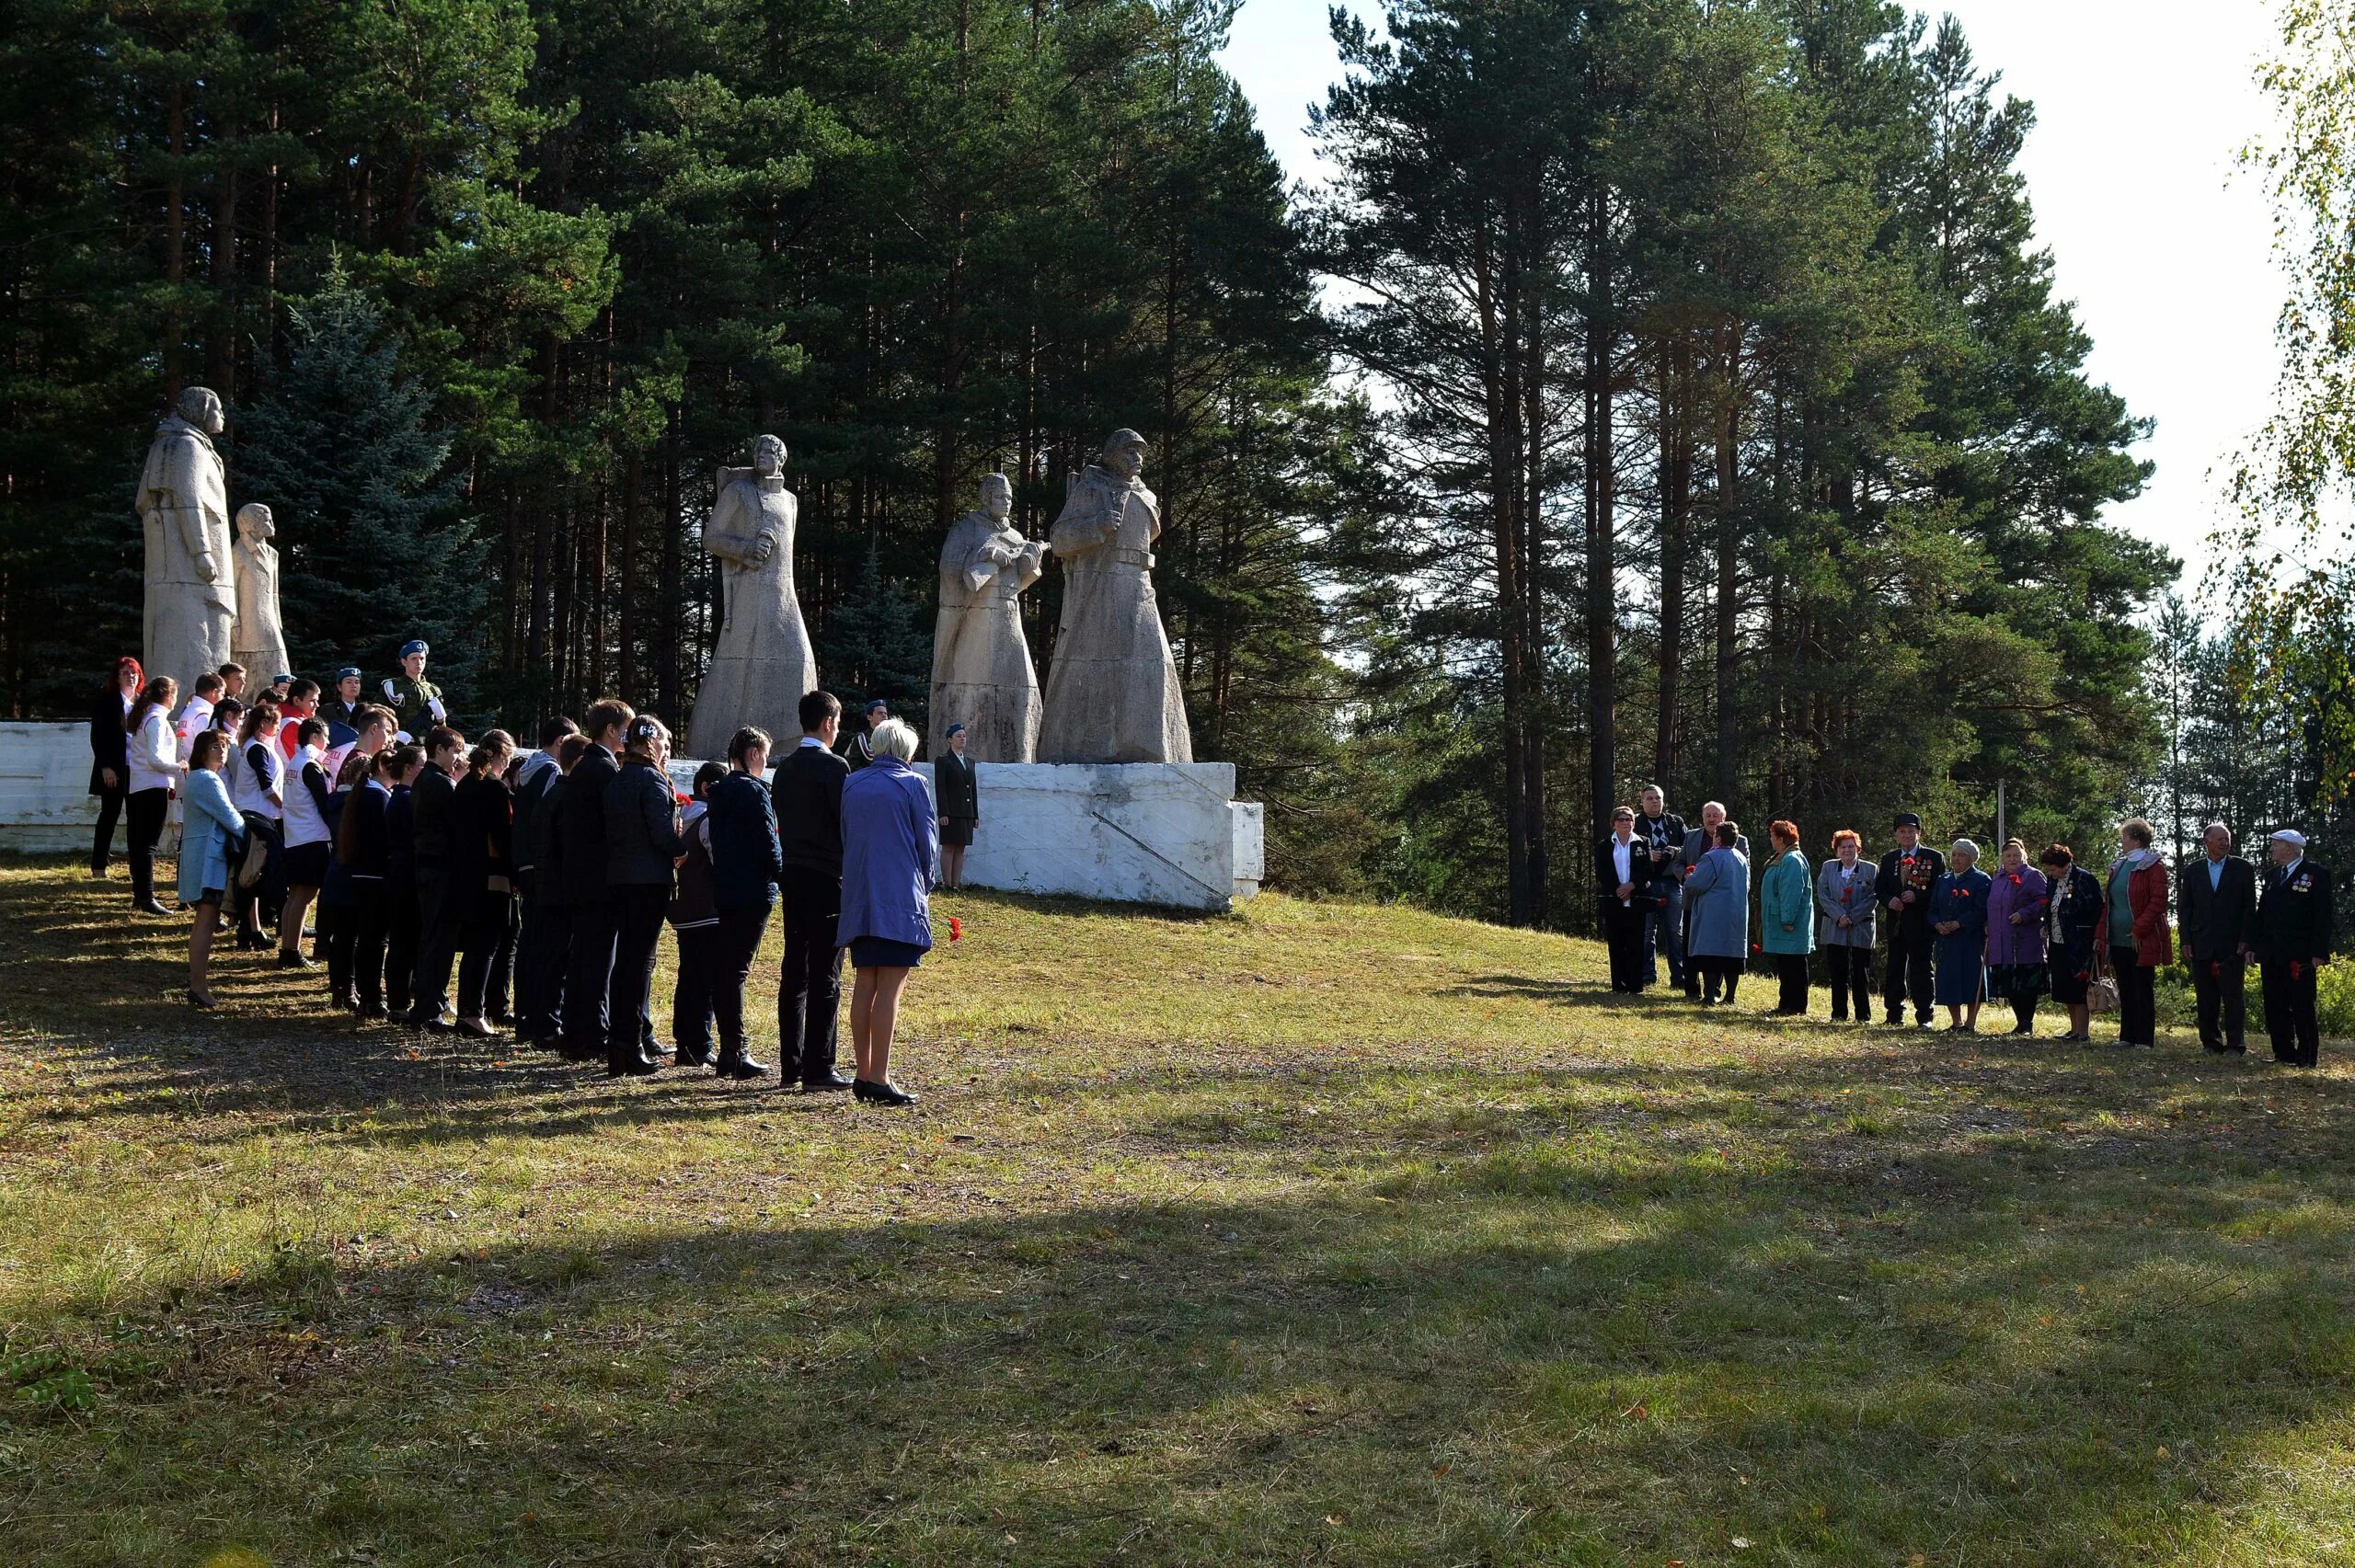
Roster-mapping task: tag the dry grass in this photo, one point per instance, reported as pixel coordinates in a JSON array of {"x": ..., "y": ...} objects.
[{"x": 1317, "y": 1234}]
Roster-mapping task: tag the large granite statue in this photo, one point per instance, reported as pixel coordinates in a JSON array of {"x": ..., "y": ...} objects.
[
  {"x": 982, "y": 675},
  {"x": 1112, "y": 693},
  {"x": 260, "y": 641},
  {"x": 762, "y": 665},
  {"x": 183, "y": 504}
]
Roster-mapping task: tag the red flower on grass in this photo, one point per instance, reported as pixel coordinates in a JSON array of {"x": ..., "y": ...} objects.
[{"x": 955, "y": 929}]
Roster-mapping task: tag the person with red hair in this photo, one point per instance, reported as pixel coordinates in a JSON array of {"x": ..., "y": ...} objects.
[
  {"x": 109, "y": 755},
  {"x": 1787, "y": 916}
]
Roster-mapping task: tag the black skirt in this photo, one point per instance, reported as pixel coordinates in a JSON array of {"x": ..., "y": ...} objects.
[
  {"x": 2068, "y": 987},
  {"x": 957, "y": 830}
]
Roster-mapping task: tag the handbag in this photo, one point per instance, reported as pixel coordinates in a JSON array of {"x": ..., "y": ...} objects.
[{"x": 2101, "y": 992}]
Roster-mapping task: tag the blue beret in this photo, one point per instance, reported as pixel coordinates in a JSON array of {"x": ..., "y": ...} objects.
[
  {"x": 348, "y": 672},
  {"x": 956, "y": 730},
  {"x": 878, "y": 705},
  {"x": 281, "y": 679},
  {"x": 415, "y": 644}
]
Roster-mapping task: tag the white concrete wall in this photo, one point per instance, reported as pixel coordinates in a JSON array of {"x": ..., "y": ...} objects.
[
  {"x": 1169, "y": 833},
  {"x": 45, "y": 803}
]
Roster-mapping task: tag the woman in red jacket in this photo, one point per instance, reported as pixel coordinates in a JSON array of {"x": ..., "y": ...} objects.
[{"x": 2140, "y": 944}]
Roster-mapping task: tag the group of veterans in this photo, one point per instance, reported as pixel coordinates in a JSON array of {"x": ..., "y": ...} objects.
[{"x": 1955, "y": 934}]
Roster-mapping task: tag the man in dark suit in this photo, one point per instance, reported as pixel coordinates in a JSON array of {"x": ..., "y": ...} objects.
[
  {"x": 1661, "y": 832},
  {"x": 2216, "y": 914},
  {"x": 1622, "y": 878},
  {"x": 807, "y": 789},
  {"x": 541, "y": 945},
  {"x": 2293, "y": 941},
  {"x": 579, "y": 843},
  {"x": 1903, "y": 884}
]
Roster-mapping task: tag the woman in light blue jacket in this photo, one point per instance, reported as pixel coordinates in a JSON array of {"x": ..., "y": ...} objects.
[
  {"x": 212, "y": 833},
  {"x": 1716, "y": 904},
  {"x": 1787, "y": 916}
]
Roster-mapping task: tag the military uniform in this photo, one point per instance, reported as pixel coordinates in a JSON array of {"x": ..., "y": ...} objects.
[
  {"x": 2294, "y": 939},
  {"x": 334, "y": 710},
  {"x": 409, "y": 700}
]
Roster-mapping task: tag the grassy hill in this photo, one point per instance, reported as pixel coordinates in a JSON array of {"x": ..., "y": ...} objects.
[{"x": 1317, "y": 1234}]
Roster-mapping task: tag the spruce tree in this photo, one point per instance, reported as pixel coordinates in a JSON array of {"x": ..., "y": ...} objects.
[
  {"x": 879, "y": 644},
  {"x": 374, "y": 550}
]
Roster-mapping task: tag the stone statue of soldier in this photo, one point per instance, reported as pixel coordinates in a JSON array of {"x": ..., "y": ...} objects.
[
  {"x": 981, "y": 674},
  {"x": 762, "y": 664},
  {"x": 259, "y": 640},
  {"x": 1112, "y": 693},
  {"x": 183, "y": 504}
]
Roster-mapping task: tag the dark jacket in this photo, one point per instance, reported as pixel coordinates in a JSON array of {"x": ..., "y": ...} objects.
[
  {"x": 808, "y": 790},
  {"x": 364, "y": 813},
  {"x": 2293, "y": 916},
  {"x": 2078, "y": 914},
  {"x": 2216, "y": 923},
  {"x": 1669, "y": 834},
  {"x": 1889, "y": 882},
  {"x": 955, "y": 787},
  {"x": 109, "y": 743},
  {"x": 428, "y": 805},
  {"x": 1639, "y": 872},
  {"x": 580, "y": 828},
  {"x": 746, "y": 858},
  {"x": 529, "y": 795},
  {"x": 641, "y": 827},
  {"x": 400, "y": 837},
  {"x": 858, "y": 751},
  {"x": 547, "y": 846},
  {"x": 691, "y": 897},
  {"x": 482, "y": 846}
]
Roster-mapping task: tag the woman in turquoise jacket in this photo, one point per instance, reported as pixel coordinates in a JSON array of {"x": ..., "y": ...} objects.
[
  {"x": 211, "y": 831},
  {"x": 1786, "y": 915}
]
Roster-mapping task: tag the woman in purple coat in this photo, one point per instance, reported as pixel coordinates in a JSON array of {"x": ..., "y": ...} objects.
[
  {"x": 891, "y": 862},
  {"x": 2016, "y": 908}
]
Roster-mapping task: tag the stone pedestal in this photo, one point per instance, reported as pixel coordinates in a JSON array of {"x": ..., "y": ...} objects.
[{"x": 1169, "y": 833}]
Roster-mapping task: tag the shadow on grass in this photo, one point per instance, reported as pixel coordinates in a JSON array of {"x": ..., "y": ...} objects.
[{"x": 1466, "y": 1368}]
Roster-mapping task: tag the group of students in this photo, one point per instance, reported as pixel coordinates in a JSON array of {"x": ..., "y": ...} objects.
[
  {"x": 549, "y": 878},
  {"x": 1956, "y": 934}
]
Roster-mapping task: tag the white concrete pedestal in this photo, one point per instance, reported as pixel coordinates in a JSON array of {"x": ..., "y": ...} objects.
[{"x": 1169, "y": 833}]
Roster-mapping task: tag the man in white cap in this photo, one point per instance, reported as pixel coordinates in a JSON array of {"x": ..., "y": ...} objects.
[{"x": 2293, "y": 941}]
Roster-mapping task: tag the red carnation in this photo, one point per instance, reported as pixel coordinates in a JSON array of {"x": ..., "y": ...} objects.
[{"x": 955, "y": 929}]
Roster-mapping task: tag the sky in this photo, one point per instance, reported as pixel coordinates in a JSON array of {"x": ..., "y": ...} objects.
[{"x": 2164, "y": 249}]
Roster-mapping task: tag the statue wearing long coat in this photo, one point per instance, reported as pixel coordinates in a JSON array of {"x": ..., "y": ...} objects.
[
  {"x": 764, "y": 663},
  {"x": 1112, "y": 693},
  {"x": 981, "y": 674},
  {"x": 183, "y": 503},
  {"x": 259, "y": 640}
]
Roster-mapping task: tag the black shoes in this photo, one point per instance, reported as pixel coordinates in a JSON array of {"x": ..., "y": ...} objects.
[
  {"x": 373, "y": 1012},
  {"x": 202, "y": 1001},
  {"x": 149, "y": 907},
  {"x": 884, "y": 1093},
  {"x": 292, "y": 958},
  {"x": 831, "y": 1084},
  {"x": 640, "y": 1066},
  {"x": 693, "y": 1055},
  {"x": 735, "y": 1064}
]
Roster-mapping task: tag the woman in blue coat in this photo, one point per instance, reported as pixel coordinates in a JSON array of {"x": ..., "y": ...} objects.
[
  {"x": 1717, "y": 905},
  {"x": 1787, "y": 916},
  {"x": 890, "y": 864},
  {"x": 1959, "y": 916},
  {"x": 212, "y": 831}
]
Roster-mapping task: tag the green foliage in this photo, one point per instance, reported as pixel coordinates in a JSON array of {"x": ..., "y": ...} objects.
[
  {"x": 881, "y": 646},
  {"x": 339, "y": 447}
]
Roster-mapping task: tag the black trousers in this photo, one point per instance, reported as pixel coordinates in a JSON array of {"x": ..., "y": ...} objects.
[
  {"x": 333, "y": 943},
  {"x": 1790, "y": 970},
  {"x": 1715, "y": 973},
  {"x": 1850, "y": 971},
  {"x": 146, "y": 810},
  {"x": 2289, "y": 1012},
  {"x": 739, "y": 932},
  {"x": 1911, "y": 942},
  {"x": 588, "y": 976},
  {"x": 691, "y": 1000},
  {"x": 437, "y": 930},
  {"x": 810, "y": 989},
  {"x": 109, "y": 810},
  {"x": 1623, "y": 936},
  {"x": 2221, "y": 987},
  {"x": 483, "y": 936},
  {"x": 541, "y": 950},
  {"x": 258, "y": 905},
  {"x": 400, "y": 942},
  {"x": 360, "y": 932},
  {"x": 2138, "y": 1000},
  {"x": 637, "y": 933}
]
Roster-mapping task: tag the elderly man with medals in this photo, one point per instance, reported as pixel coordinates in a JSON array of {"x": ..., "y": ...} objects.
[
  {"x": 1907, "y": 874},
  {"x": 1112, "y": 693}
]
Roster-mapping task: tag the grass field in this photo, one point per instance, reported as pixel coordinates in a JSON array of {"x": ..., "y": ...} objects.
[{"x": 1317, "y": 1234}]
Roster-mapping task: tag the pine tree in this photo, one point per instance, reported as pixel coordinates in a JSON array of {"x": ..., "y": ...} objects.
[
  {"x": 879, "y": 645},
  {"x": 374, "y": 549}
]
